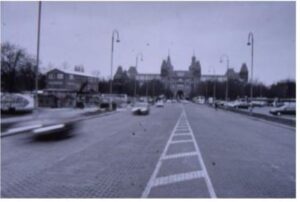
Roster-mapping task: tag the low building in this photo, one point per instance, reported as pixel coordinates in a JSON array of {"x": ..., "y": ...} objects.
[
  {"x": 63, "y": 86},
  {"x": 62, "y": 79}
]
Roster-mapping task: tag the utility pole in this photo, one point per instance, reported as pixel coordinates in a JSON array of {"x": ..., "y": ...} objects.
[{"x": 37, "y": 56}]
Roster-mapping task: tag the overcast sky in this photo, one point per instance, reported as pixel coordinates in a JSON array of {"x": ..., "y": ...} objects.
[{"x": 80, "y": 33}]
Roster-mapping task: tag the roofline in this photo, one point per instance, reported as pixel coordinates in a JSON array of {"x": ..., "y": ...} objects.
[{"x": 73, "y": 73}]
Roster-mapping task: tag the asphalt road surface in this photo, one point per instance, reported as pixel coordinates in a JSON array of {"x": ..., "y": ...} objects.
[{"x": 180, "y": 150}]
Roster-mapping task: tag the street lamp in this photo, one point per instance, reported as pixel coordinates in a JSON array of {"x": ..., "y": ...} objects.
[
  {"x": 37, "y": 56},
  {"x": 251, "y": 43},
  {"x": 227, "y": 61},
  {"x": 115, "y": 32},
  {"x": 138, "y": 56},
  {"x": 214, "y": 84}
]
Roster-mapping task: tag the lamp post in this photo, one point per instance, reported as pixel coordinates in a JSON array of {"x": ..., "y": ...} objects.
[
  {"x": 138, "y": 56},
  {"x": 115, "y": 32},
  {"x": 251, "y": 43},
  {"x": 227, "y": 66},
  {"x": 37, "y": 56},
  {"x": 214, "y": 85},
  {"x": 147, "y": 89}
]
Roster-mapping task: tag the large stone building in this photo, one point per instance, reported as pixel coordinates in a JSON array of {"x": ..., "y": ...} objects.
[{"x": 182, "y": 82}]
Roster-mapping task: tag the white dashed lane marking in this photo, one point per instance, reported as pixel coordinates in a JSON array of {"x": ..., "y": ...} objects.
[
  {"x": 174, "y": 156},
  {"x": 177, "y": 178},
  {"x": 181, "y": 141},
  {"x": 182, "y": 129}
]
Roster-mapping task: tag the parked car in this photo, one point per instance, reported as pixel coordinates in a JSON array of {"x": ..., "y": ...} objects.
[
  {"x": 258, "y": 103},
  {"x": 141, "y": 108},
  {"x": 287, "y": 108},
  {"x": 220, "y": 103},
  {"x": 159, "y": 103},
  {"x": 210, "y": 100},
  {"x": 105, "y": 105},
  {"x": 238, "y": 104}
]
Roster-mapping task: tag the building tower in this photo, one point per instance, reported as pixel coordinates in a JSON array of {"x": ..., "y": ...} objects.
[{"x": 244, "y": 73}]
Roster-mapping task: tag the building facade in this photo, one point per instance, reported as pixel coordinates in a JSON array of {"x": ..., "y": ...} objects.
[
  {"x": 58, "y": 79},
  {"x": 64, "y": 86},
  {"x": 183, "y": 82}
]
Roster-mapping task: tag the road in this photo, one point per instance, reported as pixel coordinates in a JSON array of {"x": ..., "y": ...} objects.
[{"x": 181, "y": 150}]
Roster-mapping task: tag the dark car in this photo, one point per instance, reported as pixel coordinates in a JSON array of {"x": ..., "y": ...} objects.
[
  {"x": 289, "y": 108},
  {"x": 141, "y": 108},
  {"x": 105, "y": 106}
]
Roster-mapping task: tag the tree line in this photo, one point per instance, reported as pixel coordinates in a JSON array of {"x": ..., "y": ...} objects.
[
  {"x": 238, "y": 89},
  {"x": 18, "y": 70}
]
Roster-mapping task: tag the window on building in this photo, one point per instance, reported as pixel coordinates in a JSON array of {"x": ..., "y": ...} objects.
[
  {"x": 71, "y": 77},
  {"x": 60, "y": 76},
  {"x": 50, "y": 76}
]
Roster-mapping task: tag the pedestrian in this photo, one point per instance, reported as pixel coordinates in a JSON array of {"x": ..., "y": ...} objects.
[{"x": 216, "y": 106}]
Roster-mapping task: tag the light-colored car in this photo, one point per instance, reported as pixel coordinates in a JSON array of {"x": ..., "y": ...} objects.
[
  {"x": 238, "y": 104},
  {"x": 141, "y": 108},
  {"x": 287, "y": 108},
  {"x": 258, "y": 103},
  {"x": 159, "y": 104}
]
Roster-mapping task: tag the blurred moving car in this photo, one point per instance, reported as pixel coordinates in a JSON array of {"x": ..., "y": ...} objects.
[
  {"x": 54, "y": 130},
  {"x": 16, "y": 102},
  {"x": 141, "y": 108},
  {"x": 287, "y": 108},
  {"x": 159, "y": 103}
]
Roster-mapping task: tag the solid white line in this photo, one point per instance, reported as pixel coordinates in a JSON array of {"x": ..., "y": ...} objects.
[
  {"x": 174, "y": 156},
  {"x": 210, "y": 187},
  {"x": 181, "y": 141},
  {"x": 157, "y": 167},
  {"x": 177, "y": 178}
]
